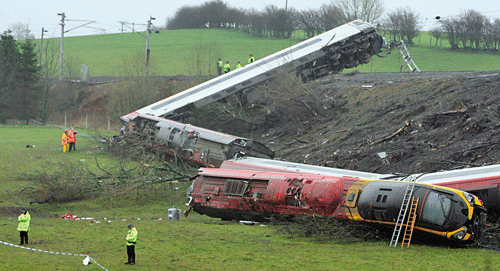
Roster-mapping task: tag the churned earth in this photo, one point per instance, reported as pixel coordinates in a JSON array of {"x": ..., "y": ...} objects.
[{"x": 380, "y": 122}]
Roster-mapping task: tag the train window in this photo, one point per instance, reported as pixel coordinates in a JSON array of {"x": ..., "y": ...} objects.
[
  {"x": 235, "y": 188},
  {"x": 352, "y": 198},
  {"x": 436, "y": 209},
  {"x": 381, "y": 198}
]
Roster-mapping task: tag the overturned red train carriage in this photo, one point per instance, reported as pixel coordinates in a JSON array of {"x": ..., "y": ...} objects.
[{"x": 258, "y": 195}]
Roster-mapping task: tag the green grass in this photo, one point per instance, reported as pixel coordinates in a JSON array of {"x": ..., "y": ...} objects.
[
  {"x": 195, "y": 51},
  {"x": 172, "y": 52},
  {"x": 196, "y": 243},
  {"x": 429, "y": 57},
  {"x": 193, "y": 243},
  {"x": 16, "y": 158}
]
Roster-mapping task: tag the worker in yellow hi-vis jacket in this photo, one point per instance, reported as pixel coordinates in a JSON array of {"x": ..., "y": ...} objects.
[
  {"x": 131, "y": 240},
  {"x": 227, "y": 67},
  {"x": 24, "y": 226}
]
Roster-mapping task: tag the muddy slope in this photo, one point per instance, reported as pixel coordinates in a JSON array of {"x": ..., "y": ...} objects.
[{"x": 418, "y": 122}]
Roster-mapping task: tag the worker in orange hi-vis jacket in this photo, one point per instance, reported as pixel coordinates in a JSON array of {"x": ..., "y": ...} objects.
[
  {"x": 71, "y": 139},
  {"x": 65, "y": 140}
]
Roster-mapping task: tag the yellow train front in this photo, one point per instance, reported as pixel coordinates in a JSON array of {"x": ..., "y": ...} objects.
[{"x": 442, "y": 211}]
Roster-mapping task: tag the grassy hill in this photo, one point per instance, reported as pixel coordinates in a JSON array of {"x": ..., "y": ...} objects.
[
  {"x": 195, "y": 51},
  {"x": 172, "y": 52}
]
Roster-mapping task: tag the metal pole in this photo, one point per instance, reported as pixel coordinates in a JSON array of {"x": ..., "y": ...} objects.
[
  {"x": 147, "y": 51},
  {"x": 147, "y": 46},
  {"x": 41, "y": 46},
  {"x": 62, "y": 46}
]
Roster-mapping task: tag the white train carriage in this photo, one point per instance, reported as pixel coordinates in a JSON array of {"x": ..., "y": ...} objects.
[{"x": 343, "y": 47}]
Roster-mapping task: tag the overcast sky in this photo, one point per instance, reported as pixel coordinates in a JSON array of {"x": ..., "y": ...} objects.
[{"x": 108, "y": 13}]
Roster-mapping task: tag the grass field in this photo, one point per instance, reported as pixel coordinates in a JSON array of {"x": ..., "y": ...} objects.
[
  {"x": 172, "y": 52},
  {"x": 195, "y": 51},
  {"x": 193, "y": 243}
]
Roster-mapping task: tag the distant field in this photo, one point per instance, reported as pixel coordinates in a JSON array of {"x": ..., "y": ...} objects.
[
  {"x": 195, "y": 51},
  {"x": 172, "y": 52}
]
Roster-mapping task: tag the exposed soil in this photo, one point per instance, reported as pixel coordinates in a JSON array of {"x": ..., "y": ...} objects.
[{"x": 423, "y": 122}]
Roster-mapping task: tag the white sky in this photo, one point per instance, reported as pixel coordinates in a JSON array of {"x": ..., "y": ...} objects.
[{"x": 108, "y": 13}]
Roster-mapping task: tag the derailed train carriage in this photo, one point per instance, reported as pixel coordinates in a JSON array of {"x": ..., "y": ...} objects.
[
  {"x": 191, "y": 143},
  {"x": 258, "y": 195},
  {"x": 346, "y": 46},
  {"x": 483, "y": 181}
]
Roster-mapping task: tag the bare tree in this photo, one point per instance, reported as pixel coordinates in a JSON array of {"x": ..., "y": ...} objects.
[
  {"x": 437, "y": 32},
  {"x": 450, "y": 25},
  {"x": 392, "y": 24},
  {"x": 310, "y": 22},
  {"x": 468, "y": 30},
  {"x": 367, "y": 10},
  {"x": 331, "y": 16},
  {"x": 21, "y": 31},
  {"x": 489, "y": 36},
  {"x": 211, "y": 14},
  {"x": 403, "y": 22},
  {"x": 256, "y": 22},
  {"x": 496, "y": 34},
  {"x": 474, "y": 26},
  {"x": 279, "y": 23}
]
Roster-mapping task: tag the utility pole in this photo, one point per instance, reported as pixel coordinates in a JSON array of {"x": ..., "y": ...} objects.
[
  {"x": 122, "y": 23},
  {"x": 63, "y": 16},
  {"x": 147, "y": 45},
  {"x": 286, "y": 6},
  {"x": 41, "y": 46}
]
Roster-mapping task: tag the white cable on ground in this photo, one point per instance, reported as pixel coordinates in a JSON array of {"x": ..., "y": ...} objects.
[{"x": 52, "y": 252}]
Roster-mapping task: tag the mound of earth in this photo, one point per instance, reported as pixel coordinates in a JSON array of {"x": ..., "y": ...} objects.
[{"x": 385, "y": 122}]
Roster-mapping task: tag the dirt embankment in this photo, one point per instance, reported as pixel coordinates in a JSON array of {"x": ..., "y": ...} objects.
[{"x": 391, "y": 123}]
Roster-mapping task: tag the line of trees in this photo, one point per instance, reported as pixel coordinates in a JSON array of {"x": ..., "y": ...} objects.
[
  {"x": 19, "y": 77},
  {"x": 471, "y": 30},
  {"x": 274, "y": 21}
]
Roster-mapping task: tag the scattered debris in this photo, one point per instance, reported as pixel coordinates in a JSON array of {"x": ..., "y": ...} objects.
[
  {"x": 69, "y": 216},
  {"x": 244, "y": 222}
]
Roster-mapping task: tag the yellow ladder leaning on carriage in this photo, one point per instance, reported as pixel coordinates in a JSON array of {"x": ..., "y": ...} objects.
[{"x": 410, "y": 223}]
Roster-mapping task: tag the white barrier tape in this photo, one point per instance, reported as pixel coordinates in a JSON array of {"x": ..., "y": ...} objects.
[
  {"x": 98, "y": 264},
  {"x": 52, "y": 252}
]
